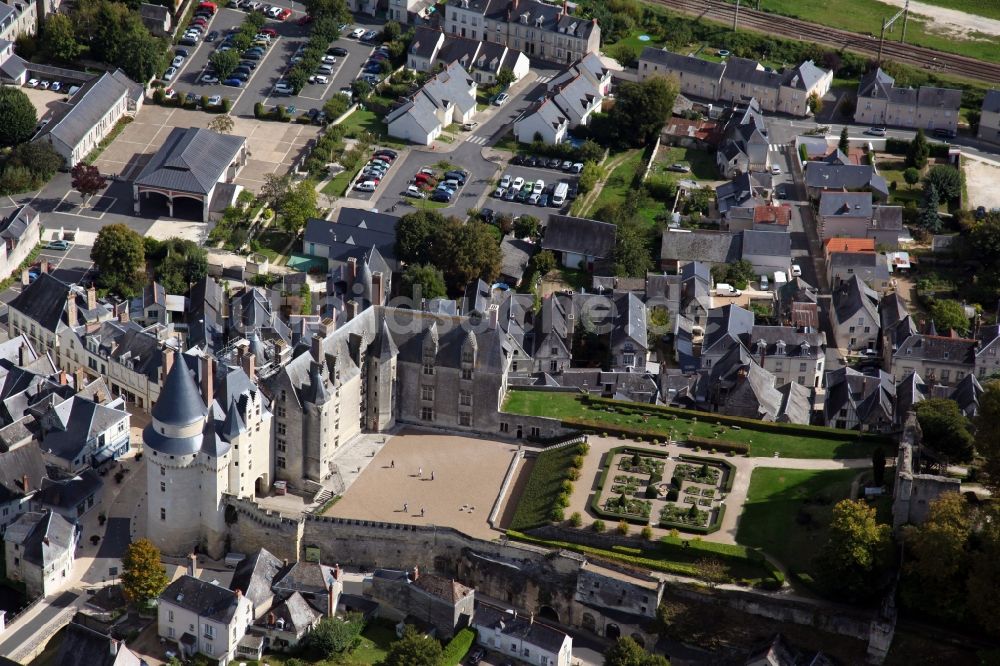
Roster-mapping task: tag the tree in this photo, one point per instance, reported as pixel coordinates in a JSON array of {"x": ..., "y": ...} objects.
[
  {"x": 119, "y": 255},
  {"x": 984, "y": 240},
  {"x": 937, "y": 554},
  {"x": 415, "y": 235},
  {"x": 641, "y": 109},
  {"x": 632, "y": 258},
  {"x": 544, "y": 262},
  {"x": 336, "y": 106},
  {"x": 855, "y": 555},
  {"x": 143, "y": 577},
  {"x": 878, "y": 466},
  {"x": 19, "y": 117},
  {"x": 87, "y": 179},
  {"x": 476, "y": 254},
  {"x": 274, "y": 189},
  {"x": 987, "y": 423},
  {"x": 983, "y": 583},
  {"x": 422, "y": 281},
  {"x": 391, "y": 31},
  {"x": 945, "y": 429},
  {"x": 949, "y": 314},
  {"x": 947, "y": 180},
  {"x": 505, "y": 77},
  {"x": 224, "y": 62},
  {"x": 815, "y": 103},
  {"x": 332, "y": 9},
  {"x": 39, "y": 156},
  {"x": 590, "y": 175},
  {"x": 624, "y": 652},
  {"x": 527, "y": 226},
  {"x": 223, "y": 124},
  {"x": 413, "y": 649},
  {"x": 298, "y": 205},
  {"x": 625, "y": 53},
  {"x": 911, "y": 176},
  {"x": 845, "y": 142},
  {"x": 919, "y": 151},
  {"x": 333, "y": 636},
  {"x": 928, "y": 217},
  {"x": 179, "y": 264},
  {"x": 59, "y": 38}
]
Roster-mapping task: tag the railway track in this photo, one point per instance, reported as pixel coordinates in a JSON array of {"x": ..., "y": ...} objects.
[{"x": 783, "y": 26}]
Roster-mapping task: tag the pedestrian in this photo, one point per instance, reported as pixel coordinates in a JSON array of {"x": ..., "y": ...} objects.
[
  {"x": 432, "y": 475},
  {"x": 392, "y": 464},
  {"x": 420, "y": 471},
  {"x": 406, "y": 507},
  {"x": 421, "y": 512}
]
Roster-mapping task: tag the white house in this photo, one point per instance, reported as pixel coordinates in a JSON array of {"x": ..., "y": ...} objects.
[
  {"x": 521, "y": 637},
  {"x": 20, "y": 233},
  {"x": 572, "y": 99},
  {"x": 449, "y": 97},
  {"x": 39, "y": 551},
  {"x": 80, "y": 124},
  {"x": 202, "y": 617},
  {"x": 545, "y": 120}
]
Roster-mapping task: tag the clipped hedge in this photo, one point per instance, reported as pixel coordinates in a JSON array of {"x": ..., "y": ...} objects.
[
  {"x": 609, "y": 457},
  {"x": 458, "y": 647},
  {"x": 727, "y": 485},
  {"x": 719, "y": 444},
  {"x": 711, "y": 528}
]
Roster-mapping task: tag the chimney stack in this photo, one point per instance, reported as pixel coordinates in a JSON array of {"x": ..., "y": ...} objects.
[
  {"x": 91, "y": 297},
  {"x": 22, "y": 355},
  {"x": 249, "y": 363},
  {"x": 25, "y": 483},
  {"x": 331, "y": 602},
  {"x": 25, "y": 278},
  {"x": 329, "y": 326},
  {"x": 193, "y": 565},
  {"x": 317, "y": 347},
  {"x": 71, "y": 307},
  {"x": 79, "y": 379},
  {"x": 352, "y": 310},
  {"x": 494, "y": 314},
  {"x": 207, "y": 378},
  {"x": 239, "y": 592},
  {"x": 352, "y": 270},
  {"x": 62, "y": 378},
  {"x": 337, "y": 573},
  {"x": 123, "y": 317},
  {"x": 378, "y": 287},
  {"x": 416, "y": 572}
]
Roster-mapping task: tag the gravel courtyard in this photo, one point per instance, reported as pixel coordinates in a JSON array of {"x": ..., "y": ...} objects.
[
  {"x": 468, "y": 473},
  {"x": 981, "y": 179}
]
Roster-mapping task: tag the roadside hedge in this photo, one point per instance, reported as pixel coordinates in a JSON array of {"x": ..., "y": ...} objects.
[{"x": 458, "y": 647}]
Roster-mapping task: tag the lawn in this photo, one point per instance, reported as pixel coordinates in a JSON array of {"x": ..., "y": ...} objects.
[
  {"x": 372, "y": 649},
  {"x": 866, "y": 16},
  {"x": 275, "y": 244},
  {"x": 544, "y": 484},
  {"x": 427, "y": 204},
  {"x": 367, "y": 121},
  {"x": 893, "y": 173},
  {"x": 337, "y": 186},
  {"x": 618, "y": 185},
  {"x": 702, "y": 164},
  {"x": 573, "y": 409},
  {"x": 787, "y": 512}
]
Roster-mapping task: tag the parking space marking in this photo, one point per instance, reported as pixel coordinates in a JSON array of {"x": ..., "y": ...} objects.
[{"x": 190, "y": 58}]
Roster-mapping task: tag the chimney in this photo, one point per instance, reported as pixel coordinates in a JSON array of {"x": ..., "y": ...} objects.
[
  {"x": 416, "y": 572},
  {"x": 71, "y": 307},
  {"x": 79, "y": 378},
  {"x": 565, "y": 8},
  {"x": 207, "y": 378},
  {"x": 271, "y": 619},
  {"x": 331, "y": 602},
  {"x": 249, "y": 363},
  {"x": 91, "y": 297},
  {"x": 337, "y": 573},
  {"x": 113, "y": 647},
  {"x": 239, "y": 592},
  {"x": 45, "y": 540},
  {"x": 25, "y": 277},
  {"x": 377, "y": 288},
  {"x": 22, "y": 355},
  {"x": 25, "y": 484},
  {"x": 192, "y": 565},
  {"x": 123, "y": 317},
  {"x": 317, "y": 347},
  {"x": 531, "y": 619},
  {"x": 329, "y": 326},
  {"x": 352, "y": 270},
  {"x": 62, "y": 378},
  {"x": 352, "y": 310},
  {"x": 494, "y": 312}
]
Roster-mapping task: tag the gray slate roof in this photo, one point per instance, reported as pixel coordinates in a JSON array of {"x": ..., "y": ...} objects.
[
  {"x": 42, "y": 537},
  {"x": 846, "y": 204},
  {"x": 518, "y": 627},
  {"x": 677, "y": 62},
  {"x": 579, "y": 235},
  {"x": 355, "y": 232},
  {"x": 991, "y": 102},
  {"x": 255, "y": 575},
  {"x": 208, "y": 600},
  {"x": 844, "y": 177},
  {"x": 82, "y": 646},
  {"x": 767, "y": 244},
  {"x": 851, "y": 297},
  {"x": 67, "y": 493},
  {"x": 87, "y": 107},
  {"x": 191, "y": 160},
  {"x": 17, "y": 465},
  {"x": 712, "y": 247}
]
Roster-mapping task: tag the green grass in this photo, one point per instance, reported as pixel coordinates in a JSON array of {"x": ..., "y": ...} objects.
[
  {"x": 337, "y": 186},
  {"x": 771, "y": 514},
  {"x": 573, "y": 409},
  {"x": 702, "y": 164},
  {"x": 275, "y": 243},
  {"x": 427, "y": 204},
  {"x": 367, "y": 121},
  {"x": 866, "y": 16},
  {"x": 618, "y": 185},
  {"x": 371, "y": 649},
  {"x": 544, "y": 484}
]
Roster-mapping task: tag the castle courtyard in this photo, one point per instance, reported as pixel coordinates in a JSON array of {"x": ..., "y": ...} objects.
[{"x": 468, "y": 474}]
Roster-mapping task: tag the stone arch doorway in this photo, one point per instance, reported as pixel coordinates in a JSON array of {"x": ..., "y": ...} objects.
[
  {"x": 588, "y": 622},
  {"x": 548, "y": 613},
  {"x": 612, "y": 632},
  {"x": 639, "y": 639},
  {"x": 260, "y": 486}
]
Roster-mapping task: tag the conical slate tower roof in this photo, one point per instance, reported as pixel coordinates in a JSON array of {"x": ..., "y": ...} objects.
[
  {"x": 180, "y": 402},
  {"x": 233, "y": 425}
]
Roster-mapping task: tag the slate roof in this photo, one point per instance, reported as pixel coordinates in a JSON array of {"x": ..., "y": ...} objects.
[
  {"x": 82, "y": 646},
  {"x": 860, "y": 260},
  {"x": 630, "y": 322},
  {"x": 728, "y": 322},
  {"x": 844, "y": 177},
  {"x": 355, "y": 232},
  {"x": 298, "y": 615},
  {"x": 69, "y": 426},
  {"x": 516, "y": 253},
  {"x": 889, "y": 217},
  {"x": 208, "y": 600},
  {"x": 677, "y": 62},
  {"x": 43, "y": 537},
  {"x": 939, "y": 98},
  {"x": 851, "y": 297},
  {"x": 797, "y": 342},
  {"x": 713, "y": 247},
  {"x": 552, "y": 17},
  {"x": 804, "y": 76},
  {"x": 306, "y": 577},
  {"x": 767, "y": 244},
  {"x": 991, "y": 102},
  {"x": 425, "y": 41},
  {"x": 938, "y": 348},
  {"x": 516, "y": 626},
  {"x": 43, "y": 301},
  {"x": 446, "y": 589},
  {"x": 13, "y": 226},
  {"x": 871, "y": 396},
  {"x": 254, "y": 576},
  {"x": 580, "y": 236},
  {"x": 846, "y": 204},
  {"x": 16, "y": 465},
  {"x": 191, "y": 160},
  {"x": 752, "y": 72},
  {"x": 86, "y": 108},
  {"x": 68, "y": 493},
  {"x": 185, "y": 404},
  {"x": 740, "y": 191}
]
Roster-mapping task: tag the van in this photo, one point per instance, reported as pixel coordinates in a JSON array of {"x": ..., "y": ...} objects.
[
  {"x": 559, "y": 195},
  {"x": 723, "y": 289}
]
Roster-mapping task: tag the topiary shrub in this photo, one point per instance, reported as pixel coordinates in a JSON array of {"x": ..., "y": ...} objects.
[
  {"x": 647, "y": 533},
  {"x": 573, "y": 474},
  {"x": 562, "y": 500},
  {"x": 598, "y": 526},
  {"x": 557, "y": 515},
  {"x": 622, "y": 528},
  {"x": 567, "y": 486},
  {"x": 578, "y": 462},
  {"x": 576, "y": 520}
]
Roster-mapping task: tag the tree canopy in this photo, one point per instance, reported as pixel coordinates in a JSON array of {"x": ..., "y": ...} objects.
[
  {"x": 632, "y": 258},
  {"x": 461, "y": 251},
  {"x": 937, "y": 557},
  {"x": 19, "y": 117},
  {"x": 224, "y": 62},
  {"x": 845, "y": 143},
  {"x": 855, "y": 555},
  {"x": 143, "y": 577},
  {"x": 333, "y": 636},
  {"x": 641, "y": 109},
  {"x": 947, "y": 180},
  {"x": 120, "y": 258},
  {"x": 58, "y": 38},
  {"x": 988, "y": 433},
  {"x": 928, "y": 217},
  {"x": 626, "y": 652},
  {"x": 949, "y": 314},
  {"x": 117, "y": 36},
  {"x": 333, "y": 9},
  {"x": 983, "y": 583},
  {"x": 414, "y": 649},
  {"x": 918, "y": 151},
  {"x": 422, "y": 279},
  {"x": 87, "y": 179},
  {"x": 945, "y": 429},
  {"x": 179, "y": 264}
]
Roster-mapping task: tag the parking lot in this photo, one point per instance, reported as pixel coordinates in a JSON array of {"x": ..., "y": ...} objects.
[
  {"x": 71, "y": 266},
  {"x": 550, "y": 177},
  {"x": 274, "y": 64}
]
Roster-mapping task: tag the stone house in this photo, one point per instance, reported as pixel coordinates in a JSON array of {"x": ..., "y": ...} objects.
[
  {"x": 697, "y": 78},
  {"x": 989, "y": 121},
  {"x": 881, "y": 102},
  {"x": 521, "y": 638},
  {"x": 856, "y": 215},
  {"x": 449, "y": 97},
  {"x": 442, "y": 603},
  {"x": 20, "y": 231},
  {"x": 199, "y": 617},
  {"x": 856, "y": 401},
  {"x": 854, "y": 316},
  {"x": 578, "y": 242},
  {"x": 40, "y": 549},
  {"x": 938, "y": 359}
]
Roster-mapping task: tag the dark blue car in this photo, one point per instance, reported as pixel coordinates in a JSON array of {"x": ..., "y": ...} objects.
[{"x": 235, "y": 83}]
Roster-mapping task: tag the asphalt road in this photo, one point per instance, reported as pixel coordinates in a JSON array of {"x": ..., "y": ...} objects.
[{"x": 22, "y": 635}]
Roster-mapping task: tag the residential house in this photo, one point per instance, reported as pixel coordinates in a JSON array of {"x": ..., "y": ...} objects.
[
  {"x": 542, "y": 31},
  {"x": 912, "y": 389},
  {"x": 407, "y": 11},
  {"x": 745, "y": 145},
  {"x": 791, "y": 354},
  {"x": 572, "y": 98},
  {"x": 13, "y": 68},
  {"x": 20, "y": 231},
  {"x": 712, "y": 248},
  {"x": 543, "y": 120},
  {"x": 22, "y": 472},
  {"x": 194, "y": 172},
  {"x": 796, "y": 302},
  {"x": 854, "y": 316},
  {"x": 521, "y": 638},
  {"x": 155, "y": 306},
  {"x": 71, "y": 497},
  {"x": 938, "y": 359},
  {"x": 579, "y": 242},
  {"x": 856, "y": 401},
  {"x": 255, "y": 576},
  {"x": 449, "y": 97},
  {"x": 629, "y": 344},
  {"x": 881, "y": 102},
  {"x": 987, "y": 356},
  {"x": 989, "y": 121},
  {"x": 80, "y": 124},
  {"x": 287, "y": 623},
  {"x": 688, "y": 292},
  {"x": 697, "y": 77},
  {"x": 442, "y": 603},
  {"x": 199, "y": 617},
  {"x": 772, "y": 217},
  {"x": 432, "y": 47},
  {"x": 85, "y": 646},
  {"x": 516, "y": 253},
  {"x": 768, "y": 251},
  {"x": 19, "y": 19},
  {"x": 738, "y": 386},
  {"x": 40, "y": 548},
  {"x": 356, "y": 233},
  {"x": 855, "y": 215},
  {"x": 738, "y": 199},
  {"x": 871, "y": 267},
  {"x": 157, "y": 19},
  {"x": 318, "y": 584},
  {"x": 846, "y": 178},
  {"x": 895, "y": 324},
  {"x": 80, "y": 432}
]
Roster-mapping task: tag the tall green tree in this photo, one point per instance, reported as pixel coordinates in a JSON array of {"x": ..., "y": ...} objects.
[
  {"x": 39, "y": 156},
  {"x": 527, "y": 226},
  {"x": 632, "y": 257},
  {"x": 19, "y": 117},
  {"x": 422, "y": 279},
  {"x": 224, "y": 62},
  {"x": 856, "y": 553},
  {"x": 987, "y": 436},
  {"x": 59, "y": 38},
  {"x": 415, "y": 235},
  {"x": 918, "y": 151},
  {"x": 845, "y": 143},
  {"x": 505, "y": 77},
  {"x": 641, "y": 109},
  {"x": 947, "y": 180},
  {"x": 414, "y": 649},
  {"x": 298, "y": 205},
  {"x": 333, "y": 9},
  {"x": 937, "y": 557},
  {"x": 626, "y": 652},
  {"x": 333, "y": 636},
  {"x": 183, "y": 263},
  {"x": 119, "y": 255},
  {"x": 911, "y": 175},
  {"x": 928, "y": 216},
  {"x": 983, "y": 583},
  {"x": 461, "y": 251},
  {"x": 143, "y": 577},
  {"x": 948, "y": 314},
  {"x": 945, "y": 429}
]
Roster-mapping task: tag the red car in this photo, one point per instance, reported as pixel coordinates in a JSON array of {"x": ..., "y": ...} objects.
[
  {"x": 199, "y": 21},
  {"x": 270, "y": 32},
  {"x": 305, "y": 20},
  {"x": 285, "y": 13}
]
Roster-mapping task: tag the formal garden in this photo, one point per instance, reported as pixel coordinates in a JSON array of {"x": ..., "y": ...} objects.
[{"x": 649, "y": 487}]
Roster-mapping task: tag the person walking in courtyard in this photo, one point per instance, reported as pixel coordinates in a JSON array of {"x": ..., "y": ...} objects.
[
  {"x": 392, "y": 464},
  {"x": 420, "y": 471},
  {"x": 406, "y": 507},
  {"x": 421, "y": 512},
  {"x": 432, "y": 475}
]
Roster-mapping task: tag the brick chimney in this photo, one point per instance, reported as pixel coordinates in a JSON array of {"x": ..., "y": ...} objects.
[
  {"x": 352, "y": 310},
  {"x": 91, "y": 297},
  {"x": 329, "y": 326},
  {"x": 79, "y": 378},
  {"x": 25, "y": 484},
  {"x": 192, "y": 565},
  {"x": 168, "y": 362},
  {"x": 113, "y": 647},
  {"x": 207, "y": 378},
  {"x": 416, "y": 573},
  {"x": 62, "y": 378},
  {"x": 249, "y": 364},
  {"x": 317, "y": 347},
  {"x": 123, "y": 317},
  {"x": 22, "y": 355},
  {"x": 71, "y": 307},
  {"x": 378, "y": 288},
  {"x": 352, "y": 270}
]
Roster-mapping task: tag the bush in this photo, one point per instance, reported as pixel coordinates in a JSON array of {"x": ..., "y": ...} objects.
[
  {"x": 598, "y": 526},
  {"x": 562, "y": 500},
  {"x": 573, "y": 473},
  {"x": 576, "y": 520},
  {"x": 567, "y": 486},
  {"x": 647, "y": 533},
  {"x": 622, "y": 528},
  {"x": 458, "y": 647},
  {"x": 578, "y": 462},
  {"x": 557, "y": 515}
]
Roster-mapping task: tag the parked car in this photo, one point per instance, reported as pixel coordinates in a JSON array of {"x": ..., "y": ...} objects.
[
  {"x": 775, "y": 170},
  {"x": 533, "y": 199},
  {"x": 543, "y": 200},
  {"x": 270, "y": 32},
  {"x": 566, "y": 165},
  {"x": 385, "y": 151},
  {"x": 518, "y": 183},
  {"x": 284, "y": 14},
  {"x": 325, "y": 69},
  {"x": 57, "y": 245},
  {"x": 56, "y": 86},
  {"x": 499, "y": 192},
  {"x": 212, "y": 36},
  {"x": 501, "y": 99},
  {"x": 441, "y": 197},
  {"x": 510, "y": 194},
  {"x": 369, "y": 36},
  {"x": 366, "y": 186},
  {"x": 553, "y": 163},
  {"x": 518, "y": 160},
  {"x": 457, "y": 175},
  {"x": 283, "y": 88},
  {"x": 188, "y": 41},
  {"x": 319, "y": 78},
  {"x": 944, "y": 133},
  {"x": 414, "y": 192},
  {"x": 538, "y": 187},
  {"x": 251, "y": 64},
  {"x": 167, "y": 75},
  {"x": 329, "y": 60},
  {"x": 505, "y": 181},
  {"x": 357, "y": 33},
  {"x": 796, "y": 270},
  {"x": 235, "y": 83},
  {"x": 337, "y": 51},
  {"x": 215, "y": 100},
  {"x": 177, "y": 61},
  {"x": 577, "y": 167},
  {"x": 681, "y": 168},
  {"x": 875, "y": 131}
]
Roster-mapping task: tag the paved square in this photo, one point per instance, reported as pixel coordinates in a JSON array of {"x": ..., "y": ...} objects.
[{"x": 468, "y": 473}]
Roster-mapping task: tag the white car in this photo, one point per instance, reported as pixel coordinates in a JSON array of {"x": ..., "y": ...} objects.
[
  {"x": 274, "y": 11},
  {"x": 44, "y": 85},
  {"x": 505, "y": 181},
  {"x": 283, "y": 87},
  {"x": 178, "y": 61},
  {"x": 215, "y": 100},
  {"x": 499, "y": 192},
  {"x": 796, "y": 270},
  {"x": 324, "y": 69},
  {"x": 319, "y": 78},
  {"x": 414, "y": 192},
  {"x": 56, "y": 86},
  {"x": 33, "y": 83},
  {"x": 329, "y": 60},
  {"x": 210, "y": 79},
  {"x": 518, "y": 183},
  {"x": 169, "y": 74},
  {"x": 357, "y": 33},
  {"x": 501, "y": 99},
  {"x": 366, "y": 186},
  {"x": 539, "y": 186},
  {"x": 775, "y": 170}
]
